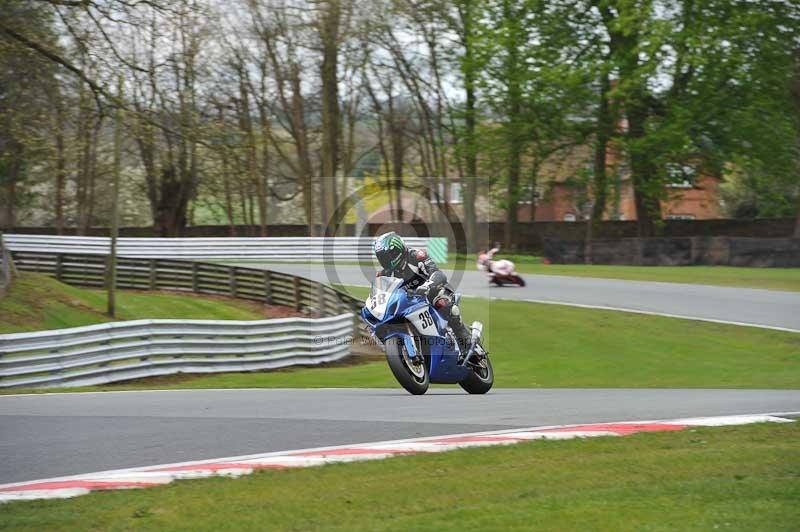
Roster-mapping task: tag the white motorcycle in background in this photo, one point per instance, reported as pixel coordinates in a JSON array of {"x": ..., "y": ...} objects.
[{"x": 500, "y": 272}]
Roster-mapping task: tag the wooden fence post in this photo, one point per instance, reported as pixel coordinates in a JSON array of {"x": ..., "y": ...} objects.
[
  {"x": 298, "y": 304},
  {"x": 232, "y": 276},
  {"x": 321, "y": 297},
  {"x": 267, "y": 287},
  {"x": 59, "y": 266},
  {"x": 153, "y": 274},
  {"x": 194, "y": 277}
]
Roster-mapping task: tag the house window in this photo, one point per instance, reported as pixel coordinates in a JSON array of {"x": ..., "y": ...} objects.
[
  {"x": 680, "y": 175},
  {"x": 681, "y": 184},
  {"x": 680, "y": 217},
  {"x": 455, "y": 193},
  {"x": 528, "y": 191}
]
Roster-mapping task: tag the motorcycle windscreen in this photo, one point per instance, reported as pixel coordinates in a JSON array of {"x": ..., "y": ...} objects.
[{"x": 380, "y": 294}]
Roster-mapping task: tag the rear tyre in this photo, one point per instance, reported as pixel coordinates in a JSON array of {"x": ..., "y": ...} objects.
[
  {"x": 519, "y": 280},
  {"x": 411, "y": 373},
  {"x": 481, "y": 379}
]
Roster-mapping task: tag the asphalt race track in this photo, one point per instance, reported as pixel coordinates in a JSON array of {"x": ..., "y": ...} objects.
[
  {"x": 769, "y": 308},
  {"x": 55, "y": 435},
  {"x": 44, "y": 436}
]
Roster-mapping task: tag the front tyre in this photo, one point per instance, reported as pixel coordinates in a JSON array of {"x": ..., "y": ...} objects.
[
  {"x": 481, "y": 379},
  {"x": 409, "y": 370}
]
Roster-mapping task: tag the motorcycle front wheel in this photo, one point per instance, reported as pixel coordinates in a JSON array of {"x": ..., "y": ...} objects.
[
  {"x": 410, "y": 370},
  {"x": 481, "y": 379}
]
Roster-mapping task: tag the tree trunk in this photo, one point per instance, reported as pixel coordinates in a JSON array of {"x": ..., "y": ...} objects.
[
  {"x": 82, "y": 165},
  {"x": 243, "y": 195},
  {"x": 246, "y": 125},
  {"x": 470, "y": 184},
  {"x": 329, "y": 33},
  {"x": 398, "y": 159},
  {"x": 58, "y": 147},
  {"x": 797, "y": 221},
  {"x": 111, "y": 273},
  {"x": 11, "y": 200},
  {"x": 226, "y": 185},
  {"x": 599, "y": 179},
  {"x": 646, "y": 200},
  {"x": 514, "y": 126},
  {"x": 624, "y": 49},
  {"x": 605, "y": 127},
  {"x": 397, "y": 145},
  {"x": 795, "y": 90},
  {"x": 11, "y": 191},
  {"x": 171, "y": 205},
  {"x": 91, "y": 184},
  {"x": 61, "y": 164},
  {"x": 302, "y": 149},
  {"x": 266, "y": 162},
  {"x": 512, "y": 191}
]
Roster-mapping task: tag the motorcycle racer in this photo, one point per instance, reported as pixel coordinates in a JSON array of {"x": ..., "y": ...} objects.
[{"x": 421, "y": 275}]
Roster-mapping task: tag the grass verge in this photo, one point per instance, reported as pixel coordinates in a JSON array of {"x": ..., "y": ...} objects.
[
  {"x": 765, "y": 278},
  {"x": 732, "y": 478},
  {"x": 37, "y": 302}
]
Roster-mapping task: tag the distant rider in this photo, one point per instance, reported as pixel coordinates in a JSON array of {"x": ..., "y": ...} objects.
[
  {"x": 486, "y": 258},
  {"x": 421, "y": 275}
]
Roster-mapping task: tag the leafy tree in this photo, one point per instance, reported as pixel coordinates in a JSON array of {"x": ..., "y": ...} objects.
[{"x": 24, "y": 105}]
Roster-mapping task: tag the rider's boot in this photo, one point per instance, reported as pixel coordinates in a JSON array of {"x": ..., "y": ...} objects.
[{"x": 462, "y": 334}]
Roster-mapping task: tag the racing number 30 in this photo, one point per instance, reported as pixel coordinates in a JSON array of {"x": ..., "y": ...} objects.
[{"x": 426, "y": 319}]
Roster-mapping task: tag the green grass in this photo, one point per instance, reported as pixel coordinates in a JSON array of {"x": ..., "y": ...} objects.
[
  {"x": 36, "y": 302},
  {"x": 733, "y": 478},
  {"x": 535, "y": 345}
]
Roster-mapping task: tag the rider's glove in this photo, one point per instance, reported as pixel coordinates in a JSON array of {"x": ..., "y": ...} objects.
[{"x": 423, "y": 289}]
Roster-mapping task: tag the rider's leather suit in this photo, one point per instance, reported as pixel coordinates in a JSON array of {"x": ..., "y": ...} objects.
[{"x": 421, "y": 273}]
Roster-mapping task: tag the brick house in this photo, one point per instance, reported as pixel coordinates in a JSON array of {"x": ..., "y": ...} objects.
[
  {"x": 561, "y": 194},
  {"x": 697, "y": 199}
]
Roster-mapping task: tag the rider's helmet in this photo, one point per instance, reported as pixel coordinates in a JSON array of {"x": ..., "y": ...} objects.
[{"x": 391, "y": 251}]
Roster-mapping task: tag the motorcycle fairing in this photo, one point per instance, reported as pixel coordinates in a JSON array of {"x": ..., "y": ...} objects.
[{"x": 443, "y": 358}]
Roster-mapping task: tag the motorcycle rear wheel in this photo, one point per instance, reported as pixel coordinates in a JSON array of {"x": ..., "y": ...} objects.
[
  {"x": 414, "y": 377},
  {"x": 481, "y": 379}
]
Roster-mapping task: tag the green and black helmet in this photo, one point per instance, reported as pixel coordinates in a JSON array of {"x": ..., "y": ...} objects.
[{"x": 391, "y": 251}]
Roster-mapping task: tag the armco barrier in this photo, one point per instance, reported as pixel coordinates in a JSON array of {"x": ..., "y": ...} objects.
[
  {"x": 277, "y": 249},
  {"x": 116, "y": 351},
  {"x": 274, "y": 288}
]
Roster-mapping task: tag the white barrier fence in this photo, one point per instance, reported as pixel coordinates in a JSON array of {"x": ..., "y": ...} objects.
[
  {"x": 267, "y": 248},
  {"x": 110, "y": 352}
]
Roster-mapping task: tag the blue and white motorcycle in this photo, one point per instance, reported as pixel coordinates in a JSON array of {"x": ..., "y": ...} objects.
[{"x": 420, "y": 346}]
